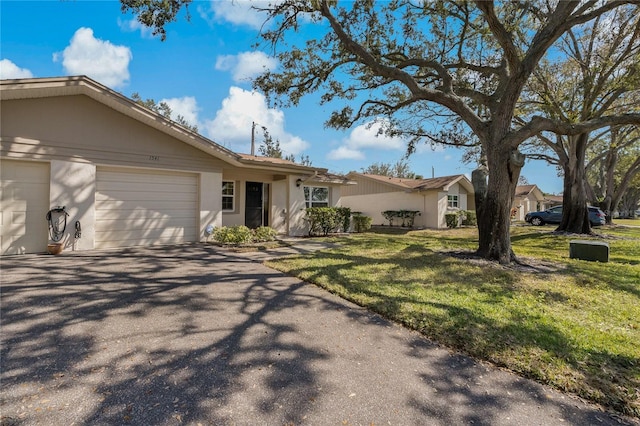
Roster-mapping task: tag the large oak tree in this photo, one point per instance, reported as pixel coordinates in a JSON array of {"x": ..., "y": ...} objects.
[
  {"x": 596, "y": 74},
  {"x": 460, "y": 61}
]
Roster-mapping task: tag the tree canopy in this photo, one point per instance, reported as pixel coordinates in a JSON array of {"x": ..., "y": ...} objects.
[
  {"x": 443, "y": 71},
  {"x": 399, "y": 169},
  {"x": 163, "y": 109}
]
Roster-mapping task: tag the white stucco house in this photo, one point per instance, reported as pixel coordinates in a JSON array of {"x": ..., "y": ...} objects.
[
  {"x": 433, "y": 198},
  {"x": 128, "y": 176},
  {"x": 528, "y": 198}
]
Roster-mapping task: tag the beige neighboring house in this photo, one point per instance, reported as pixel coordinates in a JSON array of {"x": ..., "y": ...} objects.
[
  {"x": 528, "y": 198},
  {"x": 128, "y": 176},
  {"x": 433, "y": 198}
]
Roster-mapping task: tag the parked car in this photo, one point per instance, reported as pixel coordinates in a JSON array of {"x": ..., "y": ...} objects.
[{"x": 554, "y": 215}]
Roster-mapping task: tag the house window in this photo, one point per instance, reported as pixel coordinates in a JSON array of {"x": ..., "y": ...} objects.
[
  {"x": 452, "y": 201},
  {"x": 228, "y": 195},
  {"x": 316, "y": 196}
]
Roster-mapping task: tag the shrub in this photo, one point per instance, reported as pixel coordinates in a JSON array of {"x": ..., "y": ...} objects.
[
  {"x": 343, "y": 218},
  {"x": 407, "y": 216},
  {"x": 469, "y": 218},
  {"x": 451, "y": 219},
  {"x": 263, "y": 234},
  {"x": 322, "y": 220},
  {"x": 361, "y": 223},
  {"x": 232, "y": 235}
]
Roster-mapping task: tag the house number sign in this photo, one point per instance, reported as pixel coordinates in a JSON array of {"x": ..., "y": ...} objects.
[{"x": 154, "y": 158}]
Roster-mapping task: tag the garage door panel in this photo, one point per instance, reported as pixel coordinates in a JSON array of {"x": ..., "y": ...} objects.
[
  {"x": 24, "y": 202},
  {"x": 106, "y": 225},
  {"x": 142, "y": 215},
  {"x": 173, "y": 187},
  {"x": 113, "y": 176},
  {"x": 166, "y": 197},
  {"x": 145, "y": 207}
]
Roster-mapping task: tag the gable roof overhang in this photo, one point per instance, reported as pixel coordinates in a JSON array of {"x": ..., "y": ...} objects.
[
  {"x": 83, "y": 85},
  {"x": 524, "y": 190},
  {"x": 443, "y": 183}
]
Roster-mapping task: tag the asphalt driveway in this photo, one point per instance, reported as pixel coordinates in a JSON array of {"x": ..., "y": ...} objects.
[{"x": 198, "y": 335}]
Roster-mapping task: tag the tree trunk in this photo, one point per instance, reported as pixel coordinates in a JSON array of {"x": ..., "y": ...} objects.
[
  {"x": 609, "y": 169},
  {"x": 493, "y": 203},
  {"x": 575, "y": 214}
]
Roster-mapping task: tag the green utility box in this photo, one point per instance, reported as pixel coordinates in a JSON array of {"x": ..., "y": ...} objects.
[{"x": 589, "y": 250}]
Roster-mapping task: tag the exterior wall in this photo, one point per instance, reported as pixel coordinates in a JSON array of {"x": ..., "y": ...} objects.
[
  {"x": 433, "y": 213},
  {"x": 241, "y": 177},
  {"x": 374, "y": 205},
  {"x": 526, "y": 204},
  {"x": 297, "y": 206},
  {"x": 79, "y": 129},
  {"x": 73, "y": 185},
  {"x": 366, "y": 187},
  {"x": 210, "y": 202},
  {"x": 75, "y": 134},
  {"x": 431, "y": 204},
  {"x": 279, "y": 206}
]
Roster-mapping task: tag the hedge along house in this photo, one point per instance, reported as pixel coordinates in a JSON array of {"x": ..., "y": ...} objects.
[
  {"x": 433, "y": 198},
  {"x": 128, "y": 176}
]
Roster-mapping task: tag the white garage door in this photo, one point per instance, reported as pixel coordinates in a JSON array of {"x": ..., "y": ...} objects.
[
  {"x": 139, "y": 207},
  {"x": 24, "y": 202}
]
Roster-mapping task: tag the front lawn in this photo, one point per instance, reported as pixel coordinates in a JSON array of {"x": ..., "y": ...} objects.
[{"x": 569, "y": 323}]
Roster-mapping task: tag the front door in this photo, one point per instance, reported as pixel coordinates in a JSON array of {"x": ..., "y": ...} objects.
[{"x": 253, "y": 205}]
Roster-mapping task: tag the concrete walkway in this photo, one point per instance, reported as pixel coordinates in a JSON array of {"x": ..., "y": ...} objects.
[{"x": 198, "y": 335}]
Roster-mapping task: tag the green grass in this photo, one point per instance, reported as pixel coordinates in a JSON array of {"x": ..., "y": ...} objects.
[{"x": 565, "y": 322}]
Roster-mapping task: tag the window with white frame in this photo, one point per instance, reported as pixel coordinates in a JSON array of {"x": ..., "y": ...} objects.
[
  {"x": 452, "y": 201},
  {"x": 316, "y": 196},
  {"x": 228, "y": 195}
]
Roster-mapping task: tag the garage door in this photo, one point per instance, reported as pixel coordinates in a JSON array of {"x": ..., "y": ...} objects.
[
  {"x": 139, "y": 207},
  {"x": 24, "y": 202}
]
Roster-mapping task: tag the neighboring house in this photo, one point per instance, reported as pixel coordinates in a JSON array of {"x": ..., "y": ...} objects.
[
  {"x": 433, "y": 198},
  {"x": 129, "y": 176},
  {"x": 528, "y": 198},
  {"x": 553, "y": 200}
]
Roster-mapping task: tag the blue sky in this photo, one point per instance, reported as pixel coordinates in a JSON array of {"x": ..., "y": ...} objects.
[{"x": 203, "y": 71}]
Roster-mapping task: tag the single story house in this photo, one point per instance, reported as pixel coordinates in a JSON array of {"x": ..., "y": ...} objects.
[
  {"x": 433, "y": 198},
  {"x": 127, "y": 176},
  {"x": 528, "y": 198}
]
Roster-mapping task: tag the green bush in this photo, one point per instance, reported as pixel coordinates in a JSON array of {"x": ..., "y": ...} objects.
[
  {"x": 407, "y": 216},
  {"x": 451, "y": 219},
  {"x": 263, "y": 234},
  {"x": 469, "y": 218},
  {"x": 322, "y": 220},
  {"x": 239, "y": 234},
  {"x": 343, "y": 218},
  {"x": 361, "y": 223}
]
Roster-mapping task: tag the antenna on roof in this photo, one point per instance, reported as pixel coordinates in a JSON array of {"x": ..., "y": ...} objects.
[
  {"x": 253, "y": 138},
  {"x": 433, "y": 172}
]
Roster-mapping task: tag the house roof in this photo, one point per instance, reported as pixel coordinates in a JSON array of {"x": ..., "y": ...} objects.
[
  {"x": 82, "y": 85},
  {"x": 524, "y": 190},
  {"x": 256, "y": 159},
  {"x": 410, "y": 185}
]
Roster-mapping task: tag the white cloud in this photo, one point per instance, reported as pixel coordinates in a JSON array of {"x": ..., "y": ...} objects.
[
  {"x": 10, "y": 70},
  {"x": 246, "y": 65},
  {"x": 98, "y": 59},
  {"x": 232, "y": 123},
  {"x": 345, "y": 153},
  {"x": 186, "y": 106},
  {"x": 237, "y": 12},
  {"x": 132, "y": 25},
  {"x": 366, "y": 136}
]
